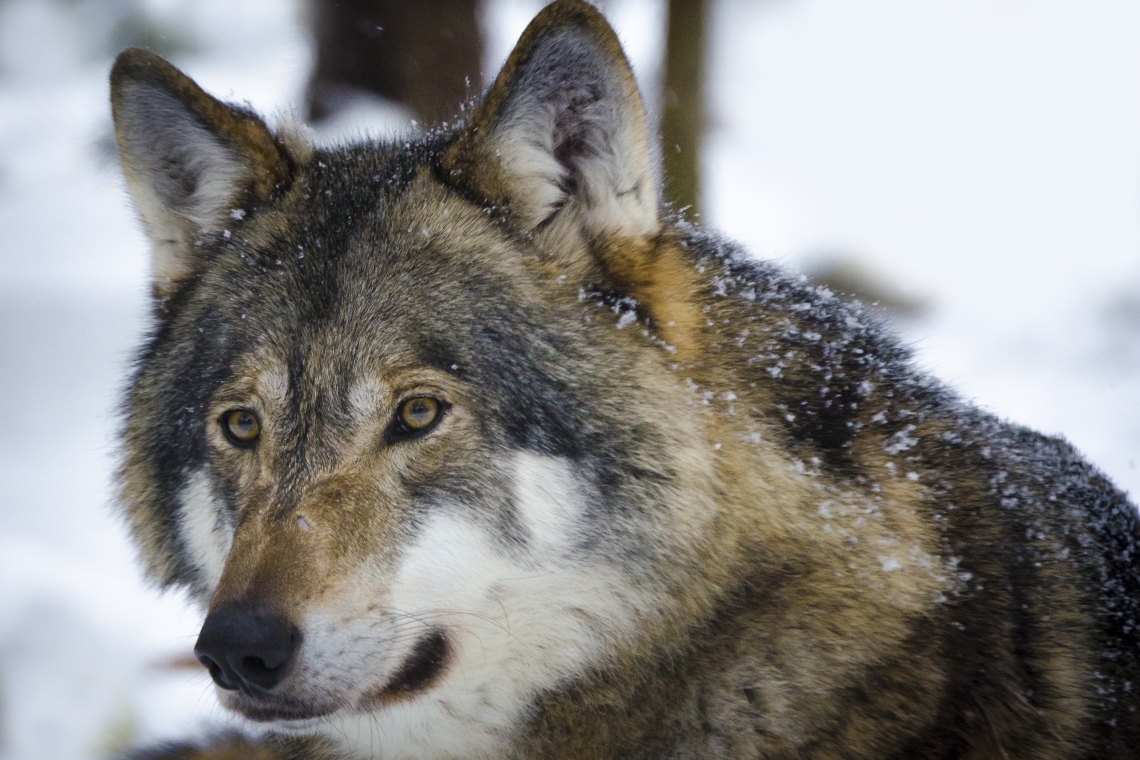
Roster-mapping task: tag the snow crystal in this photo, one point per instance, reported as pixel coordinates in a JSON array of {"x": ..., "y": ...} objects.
[{"x": 900, "y": 441}]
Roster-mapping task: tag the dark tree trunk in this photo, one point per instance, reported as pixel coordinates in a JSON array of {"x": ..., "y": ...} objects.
[
  {"x": 683, "y": 107},
  {"x": 426, "y": 54}
]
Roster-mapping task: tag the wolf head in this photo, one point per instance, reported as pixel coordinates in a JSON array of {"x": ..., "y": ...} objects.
[{"x": 405, "y": 425}]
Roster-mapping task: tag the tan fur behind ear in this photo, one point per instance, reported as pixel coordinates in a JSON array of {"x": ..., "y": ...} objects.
[{"x": 657, "y": 274}]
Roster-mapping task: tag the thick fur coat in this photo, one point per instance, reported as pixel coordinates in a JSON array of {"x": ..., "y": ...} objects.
[{"x": 468, "y": 449}]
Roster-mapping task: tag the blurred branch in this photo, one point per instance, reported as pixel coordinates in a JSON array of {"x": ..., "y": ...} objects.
[
  {"x": 683, "y": 109},
  {"x": 847, "y": 276}
]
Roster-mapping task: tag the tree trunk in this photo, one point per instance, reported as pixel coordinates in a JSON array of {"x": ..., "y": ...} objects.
[
  {"x": 683, "y": 108},
  {"x": 426, "y": 54}
]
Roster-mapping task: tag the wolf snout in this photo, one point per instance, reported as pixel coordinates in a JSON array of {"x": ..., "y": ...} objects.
[{"x": 247, "y": 648}]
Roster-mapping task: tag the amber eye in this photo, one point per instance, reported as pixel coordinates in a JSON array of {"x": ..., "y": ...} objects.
[
  {"x": 415, "y": 417},
  {"x": 418, "y": 413},
  {"x": 241, "y": 427}
]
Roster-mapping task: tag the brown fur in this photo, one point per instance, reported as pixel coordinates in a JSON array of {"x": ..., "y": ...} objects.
[{"x": 232, "y": 747}]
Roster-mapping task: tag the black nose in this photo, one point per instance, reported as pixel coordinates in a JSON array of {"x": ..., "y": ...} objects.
[{"x": 246, "y": 647}]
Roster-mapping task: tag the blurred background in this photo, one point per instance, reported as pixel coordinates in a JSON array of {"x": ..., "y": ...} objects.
[{"x": 973, "y": 166}]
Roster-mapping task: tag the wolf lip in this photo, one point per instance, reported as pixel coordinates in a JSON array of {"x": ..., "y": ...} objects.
[
  {"x": 263, "y": 711},
  {"x": 420, "y": 670}
]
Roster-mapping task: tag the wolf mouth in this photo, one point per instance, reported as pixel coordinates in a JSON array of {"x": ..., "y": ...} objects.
[
  {"x": 263, "y": 712},
  {"x": 422, "y": 668}
]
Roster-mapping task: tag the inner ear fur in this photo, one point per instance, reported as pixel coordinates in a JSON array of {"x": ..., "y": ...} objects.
[
  {"x": 560, "y": 142},
  {"x": 191, "y": 162}
]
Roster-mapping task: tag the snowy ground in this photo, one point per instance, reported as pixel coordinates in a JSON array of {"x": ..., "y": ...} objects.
[{"x": 981, "y": 154}]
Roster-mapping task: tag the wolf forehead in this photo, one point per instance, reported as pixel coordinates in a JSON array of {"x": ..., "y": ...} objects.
[
  {"x": 356, "y": 241},
  {"x": 368, "y": 266}
]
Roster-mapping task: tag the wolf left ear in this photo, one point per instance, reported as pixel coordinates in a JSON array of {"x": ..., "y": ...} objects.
[
  {"x": 561, "y": 139},
  {"x": 190, "y": 161}
]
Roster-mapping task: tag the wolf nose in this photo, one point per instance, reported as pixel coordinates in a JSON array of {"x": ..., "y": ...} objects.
[{"x": 246, "y": 647}]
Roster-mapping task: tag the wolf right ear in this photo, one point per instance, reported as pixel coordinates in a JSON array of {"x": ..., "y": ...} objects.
[
  {"x": 561, "y": 140},
  {"x": 190, "y": 160}
]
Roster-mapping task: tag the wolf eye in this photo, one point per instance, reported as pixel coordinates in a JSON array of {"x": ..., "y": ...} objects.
[
  {"x": 415, "y": 416},
  {"x": 241, "y": 427},
  {"x": 418, "y": 413}
]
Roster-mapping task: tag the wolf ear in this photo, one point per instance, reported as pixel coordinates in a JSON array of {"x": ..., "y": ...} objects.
[
  {"x": 190, "y": 161},
  {"x": 561, "y": 138}
]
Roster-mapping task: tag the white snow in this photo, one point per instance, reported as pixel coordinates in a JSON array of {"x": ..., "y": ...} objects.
[{"x": 983, "y": 153}]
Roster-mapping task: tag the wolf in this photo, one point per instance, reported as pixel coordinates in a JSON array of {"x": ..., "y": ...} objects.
[{"x": 469, "y": 447}]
